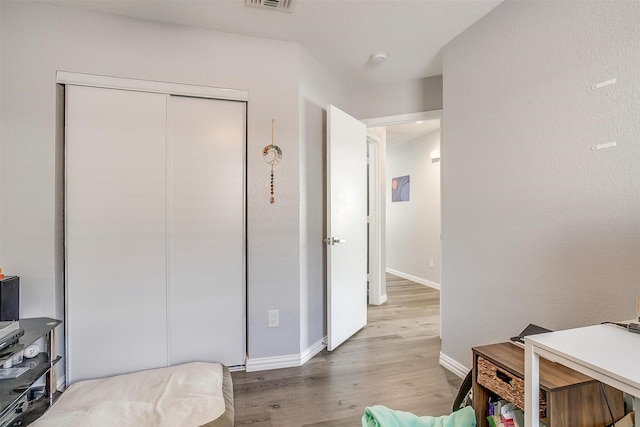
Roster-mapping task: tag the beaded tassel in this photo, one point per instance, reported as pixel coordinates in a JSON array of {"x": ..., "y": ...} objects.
[{"x": 272, "y": 199}]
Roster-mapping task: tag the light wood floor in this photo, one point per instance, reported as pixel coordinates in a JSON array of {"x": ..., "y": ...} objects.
[{"x": 393, "y": 361}]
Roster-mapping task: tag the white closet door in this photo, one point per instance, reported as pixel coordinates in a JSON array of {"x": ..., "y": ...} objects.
[
  {"x": 206, "y": 230},
  {"x": 115, "y": 231}
]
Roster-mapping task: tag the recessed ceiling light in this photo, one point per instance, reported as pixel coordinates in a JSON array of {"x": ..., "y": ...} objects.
[{"x": 419, "y": 121}]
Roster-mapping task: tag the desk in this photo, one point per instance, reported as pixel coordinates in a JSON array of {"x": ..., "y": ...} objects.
[
  {"x": 607, "y": 353},
  {"x": 571, "y": 399}
]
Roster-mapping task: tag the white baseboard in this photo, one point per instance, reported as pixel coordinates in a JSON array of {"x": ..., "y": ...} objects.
[
  {"x": 452, "y": 365},
  {"x": 419, "y": 280},
  {"x": 276, "y": 362},
  {"x": 312, "y": 351},
  {"x": 288, "y": 361},
  {"x": 381, "y": 300}
]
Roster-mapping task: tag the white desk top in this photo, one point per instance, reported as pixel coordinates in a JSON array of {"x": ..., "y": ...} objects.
[{"x": 607, "y": 349}]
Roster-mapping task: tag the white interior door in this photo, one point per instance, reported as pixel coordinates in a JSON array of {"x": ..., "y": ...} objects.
[
  {"x": 115, "y": 231},
  {"x": 206, "y": 230},
  {"x": 346, "y": 226}
]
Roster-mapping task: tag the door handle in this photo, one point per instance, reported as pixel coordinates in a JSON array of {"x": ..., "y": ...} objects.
[{"x": 333, "y": 241}]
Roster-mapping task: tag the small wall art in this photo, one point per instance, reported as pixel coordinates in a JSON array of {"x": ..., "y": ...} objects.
[{"x": 400, "y": 187}]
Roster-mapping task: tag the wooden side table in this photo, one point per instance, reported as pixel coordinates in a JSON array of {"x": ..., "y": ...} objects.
[{"x": 569, "y": 398}]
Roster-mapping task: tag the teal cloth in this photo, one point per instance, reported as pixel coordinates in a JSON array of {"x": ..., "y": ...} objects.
[{"x": 381, "y": 416}]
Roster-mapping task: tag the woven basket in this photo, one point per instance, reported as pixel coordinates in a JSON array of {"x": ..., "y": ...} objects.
[{"x": 506, "y": 385}]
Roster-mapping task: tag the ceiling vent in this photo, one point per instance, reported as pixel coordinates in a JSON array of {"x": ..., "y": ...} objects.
[{"x": 281, "y": 5}]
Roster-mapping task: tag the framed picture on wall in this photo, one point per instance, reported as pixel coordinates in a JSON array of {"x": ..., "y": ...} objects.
[{"x": 400, "y": 187}]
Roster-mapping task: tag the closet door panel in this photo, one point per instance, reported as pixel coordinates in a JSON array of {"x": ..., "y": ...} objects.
[
  {"x": 206, "y": 233},
  {"x": 115, "y": 231}
]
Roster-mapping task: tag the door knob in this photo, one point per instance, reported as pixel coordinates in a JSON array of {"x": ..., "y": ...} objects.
[{"x": 333, "y": 241}]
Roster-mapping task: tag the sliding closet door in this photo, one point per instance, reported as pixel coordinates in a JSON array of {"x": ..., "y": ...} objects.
[
  {"x": 206, "y": 230},
  {"x": 115, "y": 231}
]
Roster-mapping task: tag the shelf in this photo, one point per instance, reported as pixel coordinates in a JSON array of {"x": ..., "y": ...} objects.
[
  {"x": 36, "y": 410},
  {"x": 34, "y": 329},
  {"x": 13, "y": 389},
  {"x": 553, "y": 376},
  {"x": 17, "y": 394}
]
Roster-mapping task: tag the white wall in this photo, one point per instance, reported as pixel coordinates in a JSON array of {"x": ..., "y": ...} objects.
[
  {"x": 318, "y": 88},
  {"x": 390, "y": 99},
  {"x": 413, "y": 227},
  {"x": 537, "y": 227},
  {"x": 1, "y": 124},
  {"x": 39, "y": 39}
]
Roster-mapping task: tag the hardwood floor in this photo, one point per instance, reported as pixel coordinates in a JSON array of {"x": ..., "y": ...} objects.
[{"x": 393, "y": 361}]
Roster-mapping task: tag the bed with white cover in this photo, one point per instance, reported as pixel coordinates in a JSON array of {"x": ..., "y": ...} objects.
[{"x": 197, "y": 394}]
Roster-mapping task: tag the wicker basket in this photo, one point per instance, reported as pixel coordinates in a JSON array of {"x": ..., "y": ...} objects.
[{"x": 506, "y": 385}]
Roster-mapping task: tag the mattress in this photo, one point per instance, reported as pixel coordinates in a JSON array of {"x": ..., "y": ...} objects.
[{"x": 197, "y": 394}]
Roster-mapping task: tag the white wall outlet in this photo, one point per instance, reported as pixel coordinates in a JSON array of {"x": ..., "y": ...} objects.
[
  {"x": 430, "y": 262},
  {"x": 274, "y": 318}
]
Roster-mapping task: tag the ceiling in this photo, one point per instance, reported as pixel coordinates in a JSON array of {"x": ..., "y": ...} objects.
[
  {"x": 342, "y": 34},
  {"x": 403, "y": 132}
]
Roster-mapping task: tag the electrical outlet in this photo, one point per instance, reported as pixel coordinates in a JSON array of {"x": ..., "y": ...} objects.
[
  {"x": 274, "y": 318},
  {"x": 430, "y": 262}
]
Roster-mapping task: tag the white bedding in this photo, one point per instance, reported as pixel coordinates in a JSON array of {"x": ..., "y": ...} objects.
[{"x": 184, "y": 395}]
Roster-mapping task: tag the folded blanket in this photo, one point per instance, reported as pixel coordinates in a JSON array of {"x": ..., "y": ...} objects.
[
  {"x": 381, "y": 416},
  {"x": 187, "y": 395}
]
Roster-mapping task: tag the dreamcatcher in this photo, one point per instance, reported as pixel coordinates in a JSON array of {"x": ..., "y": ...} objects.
[{"x": 272, "y": 155}]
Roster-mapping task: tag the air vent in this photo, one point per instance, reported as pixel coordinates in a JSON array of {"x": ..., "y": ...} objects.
[{"x": 282, "y": 5}]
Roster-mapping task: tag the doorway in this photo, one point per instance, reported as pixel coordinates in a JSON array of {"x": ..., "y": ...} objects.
[{"x": 419, "y": 264}]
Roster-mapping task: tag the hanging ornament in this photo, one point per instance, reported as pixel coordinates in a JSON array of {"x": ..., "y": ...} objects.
[{"x": 272, "y": 155}]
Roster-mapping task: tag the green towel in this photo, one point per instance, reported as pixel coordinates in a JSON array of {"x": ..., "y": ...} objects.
[{"x": 381, "y": 416}]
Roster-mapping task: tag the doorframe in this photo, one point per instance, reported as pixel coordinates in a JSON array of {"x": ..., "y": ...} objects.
[
  {"x": 108, "y": 82},
  {"x": 378, "y": 198},
  {"x": 376, "y": 160}
]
